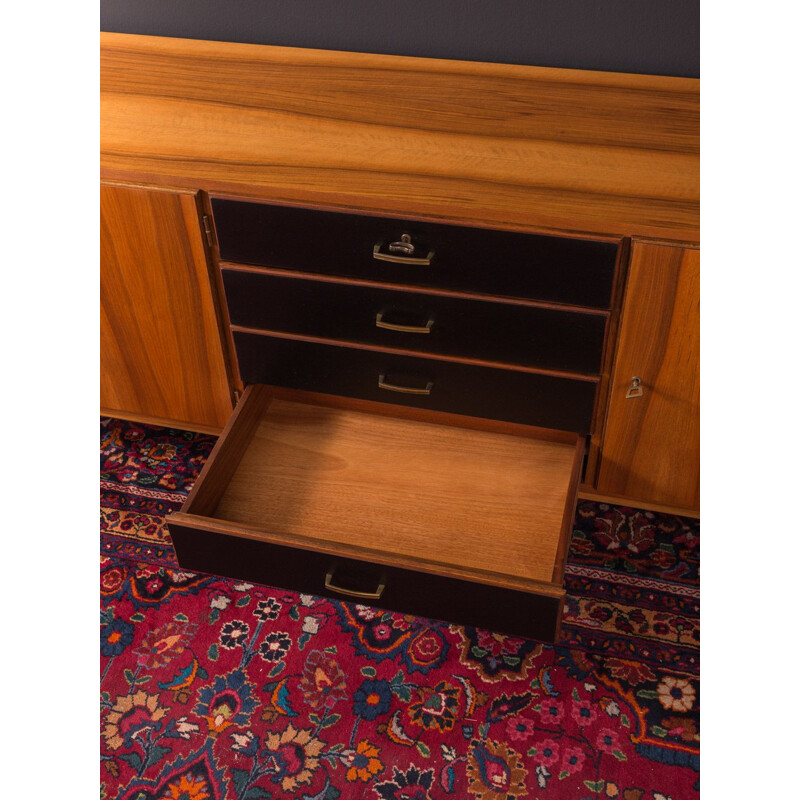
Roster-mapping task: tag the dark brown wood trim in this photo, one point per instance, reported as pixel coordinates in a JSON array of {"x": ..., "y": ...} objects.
[{"x": 559, "y": 619}]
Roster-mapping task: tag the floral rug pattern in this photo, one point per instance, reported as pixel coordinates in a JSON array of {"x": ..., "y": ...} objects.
[{"x": 214, "y": 688}]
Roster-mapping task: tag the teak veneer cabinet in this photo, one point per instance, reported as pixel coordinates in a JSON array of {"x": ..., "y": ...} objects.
[
  {"x": 445, "y": 295},
  {"x": 161, "y": 349}
]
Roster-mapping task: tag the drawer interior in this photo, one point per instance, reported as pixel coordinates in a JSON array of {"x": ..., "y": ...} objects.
[{"x": 475, "y": 504}]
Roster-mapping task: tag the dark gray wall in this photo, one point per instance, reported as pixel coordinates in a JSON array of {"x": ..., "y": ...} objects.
[{"x": 659, "y": 37}]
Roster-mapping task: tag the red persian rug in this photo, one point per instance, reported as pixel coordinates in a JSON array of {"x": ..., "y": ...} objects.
[{"x": 214, "y": 688}]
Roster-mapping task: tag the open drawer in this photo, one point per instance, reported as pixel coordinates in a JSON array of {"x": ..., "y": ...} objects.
[{"x": 457, "y": 523}]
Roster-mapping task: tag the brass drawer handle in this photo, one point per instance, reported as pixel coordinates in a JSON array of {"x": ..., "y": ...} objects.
[
  {"x": 351, "y": 592},
  {"x": 393, "y": 387},
  {"x": 406, "y": 250},
  {"x": 390, "y": 326}
]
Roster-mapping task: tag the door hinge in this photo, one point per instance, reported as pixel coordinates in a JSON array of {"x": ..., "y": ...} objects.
[
  {"x": 236, "y": 397},
  {"x": 208, "y": 230}
]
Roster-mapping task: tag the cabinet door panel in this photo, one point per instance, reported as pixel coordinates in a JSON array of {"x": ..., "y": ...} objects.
[
  {"x": 161, "y": 353},
  {"x": 651, "y": 446}
]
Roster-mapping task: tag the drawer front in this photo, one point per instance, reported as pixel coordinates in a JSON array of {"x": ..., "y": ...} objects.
[
  {"x": 550, "y": 268},
  {"x": 406, "y": 591},
  {"x": 511, "y": 334},
  {"x": 502, "y": 394}
]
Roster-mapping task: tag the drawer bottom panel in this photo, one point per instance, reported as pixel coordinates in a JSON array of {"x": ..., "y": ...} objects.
[
  {"x": 406, "y": 591},
  {"x": 528, "y": 398}
]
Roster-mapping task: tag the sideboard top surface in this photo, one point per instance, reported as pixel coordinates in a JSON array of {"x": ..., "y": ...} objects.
[{"x": 528, "y": 148}]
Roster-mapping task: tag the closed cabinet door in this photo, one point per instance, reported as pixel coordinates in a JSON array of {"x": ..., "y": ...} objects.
[
  {"x": 161, "y": 353},
  {"x": 651, "y": 445}
]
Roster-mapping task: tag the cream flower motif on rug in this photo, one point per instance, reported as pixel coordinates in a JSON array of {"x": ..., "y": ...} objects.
[
  {"x": 131, "y": 715},
  {"x": 293, "y": 756},
  {"x": 676, "y": 694}
]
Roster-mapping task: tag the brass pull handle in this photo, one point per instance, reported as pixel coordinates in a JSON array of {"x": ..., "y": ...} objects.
[
  {"x": 390, "y": 326},
  {"x": 393, "y": 387},
  {"x": 635, "y": 389},
  {"x": 405, "y": 249},
  {"x": 404, "y": 246},
  {"x": 352, "y": 592}
]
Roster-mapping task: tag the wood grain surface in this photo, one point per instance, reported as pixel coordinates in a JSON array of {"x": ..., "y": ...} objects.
[
  {"x": 425, "y": 415},
  {"x": 651, "y": 446},
  {"x": 160, "y": 345},
  {"x": 462, "y": 501},
  {"x": 231, "y": 445},
  {"x": 486, "y": 144}
]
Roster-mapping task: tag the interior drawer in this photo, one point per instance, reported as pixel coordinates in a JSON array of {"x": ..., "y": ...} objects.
[
  {"x": 572, "y": 271},
  {"x": 465, "y": 525},
  {"x": 419, "y": 321},
  {"x": 511, "y": 395}
]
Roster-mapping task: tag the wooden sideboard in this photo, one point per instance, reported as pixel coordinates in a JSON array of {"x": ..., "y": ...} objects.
[{"x": 611, "y": 158}]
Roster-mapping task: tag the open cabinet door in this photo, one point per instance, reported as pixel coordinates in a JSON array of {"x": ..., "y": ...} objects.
[{"x": 161, "y": 355}]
